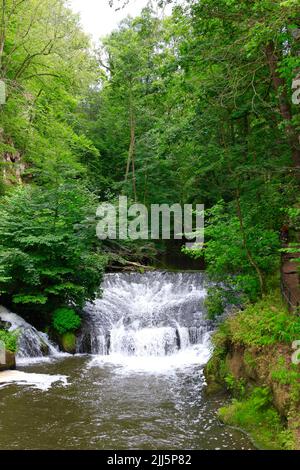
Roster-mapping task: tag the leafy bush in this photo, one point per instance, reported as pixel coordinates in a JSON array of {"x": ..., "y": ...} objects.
[
  {"x": 257, "y": 415},
  {"x": 217, "y": 298},
  {"x": 66, "y": 320},
  {"x": 48, "y": 252},
  {"x": 264, "y": 323},
  {"x": 214, "y": 302},
  {"x": 236, "y": 387},
  {"x": 285, "y": 375},
  {"x": 9, "y": 339},
  {"x": 236, "y": 255}
]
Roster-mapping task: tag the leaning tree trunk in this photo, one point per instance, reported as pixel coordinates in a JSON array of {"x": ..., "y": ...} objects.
[{"x": 246, "y": 247}]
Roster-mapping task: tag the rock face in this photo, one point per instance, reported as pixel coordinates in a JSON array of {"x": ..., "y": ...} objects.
[
  {"x": 258, "y": 367},
  {"x": 10, "y": 362},
  {"x": 31, "y": 342}
]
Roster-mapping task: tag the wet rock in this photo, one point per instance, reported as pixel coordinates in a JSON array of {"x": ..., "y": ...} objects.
[
  {"x": 68, "y": 342},
  {"x": 10, "y": 361},
  {"x": 4, "y": 325}
]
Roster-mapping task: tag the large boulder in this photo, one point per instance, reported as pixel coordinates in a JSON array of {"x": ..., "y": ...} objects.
[
  {"x": 68, "y": 342},
  {"x": 10, "y": 361}
]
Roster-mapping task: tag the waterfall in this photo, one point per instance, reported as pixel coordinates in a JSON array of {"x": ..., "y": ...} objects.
[
  {"x": 156, "y": 314},
  {"x": 31, "y": 342}
]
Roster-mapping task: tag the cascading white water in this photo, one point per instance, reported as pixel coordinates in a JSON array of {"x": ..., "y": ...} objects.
[
  {"x": 145, "y": 342},
  {"x": 31, "y": 342},
  {"x": 155, "y": 314}
]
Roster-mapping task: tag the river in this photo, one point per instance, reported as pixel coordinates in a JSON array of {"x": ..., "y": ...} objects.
[{"x": 140, "y": 387}]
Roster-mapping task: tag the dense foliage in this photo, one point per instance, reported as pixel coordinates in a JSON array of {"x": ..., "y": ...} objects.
[
  {"x": 266, "y": 323},
  {"x": 47, "y": 250},
  {"x": 192, "y": 108},
  {"x": 9, "y": 340},
  {"x": 202, "y": 107},
  {"x": 65, "y": 320},
  {"x": 259, "y": 340}
]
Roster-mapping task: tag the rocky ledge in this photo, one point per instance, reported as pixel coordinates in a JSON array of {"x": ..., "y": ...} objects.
[{"x": 10, "y": 362}]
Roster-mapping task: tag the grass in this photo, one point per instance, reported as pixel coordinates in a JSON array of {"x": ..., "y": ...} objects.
[
  {"x": 257, "y": 416},
  {"x": 9, "y": 339},
  {"x": 264, "y": 323},
  {"x": 262, "y": 336}
]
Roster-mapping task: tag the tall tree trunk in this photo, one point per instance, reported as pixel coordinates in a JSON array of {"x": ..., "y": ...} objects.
[
  {"x": 279, "y": 85},
  {"x": 131, "y": 151},
  {"x": 245, "y": 244}
]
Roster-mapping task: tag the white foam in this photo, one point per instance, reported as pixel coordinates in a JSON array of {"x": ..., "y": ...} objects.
[
  {"x": 12, "y": 318},
  {"x": 31, "y": 342},
  {"x": 40, "y": 381},
  {"x": 145, "y": 314},
  {"x": 24, "y": 361},
  {"x": 195, "y": 355}
]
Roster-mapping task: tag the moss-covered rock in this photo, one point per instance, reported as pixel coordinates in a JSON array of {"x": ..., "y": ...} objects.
[
  {"x": 213, "y": 373},
  {"x": 68, "y": 342},
  {"x": 253, "y": 351}
]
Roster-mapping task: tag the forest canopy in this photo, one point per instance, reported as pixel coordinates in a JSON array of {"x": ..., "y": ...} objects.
[{"x": 195, "y": 107}]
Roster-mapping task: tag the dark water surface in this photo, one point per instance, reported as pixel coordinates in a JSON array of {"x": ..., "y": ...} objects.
[{"x": 108, "y": 406}]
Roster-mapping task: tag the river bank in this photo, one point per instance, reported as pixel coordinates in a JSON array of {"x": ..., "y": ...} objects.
[
  {"x": 151, "y": 328},
  {"x": 139, "y": 383},
  {"x": 252, "y": 359}
]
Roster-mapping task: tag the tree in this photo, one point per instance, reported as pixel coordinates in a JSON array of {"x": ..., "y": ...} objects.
[
  {"x": 193, "y": 108},
  {"x": 48, "y": 248},
  {"x": 215, "y": 126},
  {"x": 47, "y": 66}
]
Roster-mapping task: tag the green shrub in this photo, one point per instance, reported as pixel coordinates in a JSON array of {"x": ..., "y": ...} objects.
[
  {"x": 285, "y": 376},
  {"x": 48, "y": 243},
  {"x": 288, "y": 374},
  {"x": 66, "y": 320},
  {"x": 236, "y": 386},
  {"x": 214, "y": 302},
  {"x": 257, "y": 416},
  {"x": 9, "y": 339},
  {"x": 235, "y": 254},
  {"x": 264, "y": 323}
]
